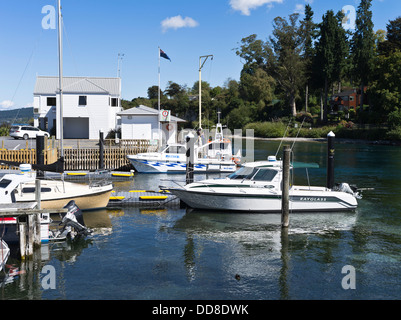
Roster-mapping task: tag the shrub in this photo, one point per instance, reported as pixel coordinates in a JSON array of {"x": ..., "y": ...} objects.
[
  {"x": 267, "y": 129},
  {"x": 394, "y": 134}
]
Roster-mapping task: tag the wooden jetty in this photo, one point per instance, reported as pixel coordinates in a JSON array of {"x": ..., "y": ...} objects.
[{"x": 28, "y": 224}]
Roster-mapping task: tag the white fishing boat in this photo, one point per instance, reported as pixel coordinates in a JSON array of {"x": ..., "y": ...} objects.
[
  {"x": 213, "y": 156},
  {"x": 256, "y": 187},
  {"x": 72, "y": 221},
  {"x": 4, "y": 254},
  {"x": 55, "y": 194}
]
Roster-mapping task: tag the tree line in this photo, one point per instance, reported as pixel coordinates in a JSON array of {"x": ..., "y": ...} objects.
[{"x": 296, "y": 71}]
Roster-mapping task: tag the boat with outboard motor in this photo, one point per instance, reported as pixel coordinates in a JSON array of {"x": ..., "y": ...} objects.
[
  {"x": 214, "y": 156},
  {"x": 257, "y": 187},
  {"x": 55, "y": 194}
]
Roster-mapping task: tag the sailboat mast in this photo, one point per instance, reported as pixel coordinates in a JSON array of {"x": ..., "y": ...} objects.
[
  {"x": 200, "y": 85},
  {"x": 60, "y": 55}
]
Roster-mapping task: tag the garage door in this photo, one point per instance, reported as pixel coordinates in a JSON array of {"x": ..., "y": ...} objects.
[{"x": 76, "y": 128}]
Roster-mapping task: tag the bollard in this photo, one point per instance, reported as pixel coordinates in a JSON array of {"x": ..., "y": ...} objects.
[
  {"x": 285, "y": 197},
  {"x": 40, "y": 153},
  {"x": 101, "y": 149},
  {"x": 330, "y": 160},
  {"x": 190, "y": 142}
]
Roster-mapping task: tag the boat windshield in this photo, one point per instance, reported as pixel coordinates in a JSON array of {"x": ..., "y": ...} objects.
[
  {"x": 174, "y": 149},
  {"x": 256, "y": 174}
]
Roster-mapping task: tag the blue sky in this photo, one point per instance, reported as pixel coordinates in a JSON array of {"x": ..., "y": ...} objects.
[{"x": 96, "y": 31}]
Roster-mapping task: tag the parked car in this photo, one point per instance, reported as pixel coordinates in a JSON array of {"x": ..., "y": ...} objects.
[{"x": 26, "y": 132}]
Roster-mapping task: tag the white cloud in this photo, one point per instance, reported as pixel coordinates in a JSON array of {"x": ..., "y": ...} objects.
[
  {"x": 6, "y": 104},
  {"x": 245, "y": 6},
  {"x": 178, "y": 22}
]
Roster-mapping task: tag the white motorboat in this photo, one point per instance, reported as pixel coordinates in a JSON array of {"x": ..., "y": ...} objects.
[
  {"x": 4, "y": 254},
  {"x": 72, "y": 221},
  {"x": 55, "y": 194},
  {"x": 256, "y": 187},
  {"x": 214, "y": 156}
]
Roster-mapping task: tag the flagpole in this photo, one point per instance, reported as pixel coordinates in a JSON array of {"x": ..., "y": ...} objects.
[{"x": 158, "y": 102}]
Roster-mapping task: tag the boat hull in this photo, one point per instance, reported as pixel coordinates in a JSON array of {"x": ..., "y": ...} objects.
[
  {"x": 61, "y": 193},
  {"x": 260, "y": 202},
  {"x": 155, "y": 166}
]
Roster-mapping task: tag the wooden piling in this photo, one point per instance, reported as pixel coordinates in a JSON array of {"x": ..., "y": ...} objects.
[
  {"x": 285, "y": 198},
  {"x": 22, "y": 238}
]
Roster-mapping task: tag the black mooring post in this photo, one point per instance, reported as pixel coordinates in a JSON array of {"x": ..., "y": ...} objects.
[
  {"x": 40, "y": 153},
  {"x": 190, "y": 140},
  {"x": 101, "y": 149},
  {"x": 285, "y": 197},
  {"x": 330, "y": 160}
]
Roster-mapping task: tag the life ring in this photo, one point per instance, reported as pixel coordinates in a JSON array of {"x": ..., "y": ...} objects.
[
  {"x": 236, "y": 160},
  {"x": 170, "y": 127}
]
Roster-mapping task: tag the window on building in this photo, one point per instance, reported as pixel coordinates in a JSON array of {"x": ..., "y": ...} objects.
[
  {"x": 82, "y": 100},
  {"x": 51, "y": 102},
  {"x": 114, "y": 102}
]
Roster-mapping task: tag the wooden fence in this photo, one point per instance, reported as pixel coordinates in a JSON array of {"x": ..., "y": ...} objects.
[
  {"x": 83, "y": 155},
  {"x": 114, "y": 155},
  {"x": 29, "y": 155}
]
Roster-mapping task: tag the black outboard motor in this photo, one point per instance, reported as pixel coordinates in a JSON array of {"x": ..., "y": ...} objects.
[{"x": 74, "y": 220}]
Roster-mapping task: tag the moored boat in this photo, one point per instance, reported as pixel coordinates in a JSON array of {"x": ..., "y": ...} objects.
[
  {"x": 214, "y": 156},
  {"x": 256, "y": 187}
]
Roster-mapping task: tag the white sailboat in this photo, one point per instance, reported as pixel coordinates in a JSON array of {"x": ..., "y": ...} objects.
[{"x": 256, "y": 187}]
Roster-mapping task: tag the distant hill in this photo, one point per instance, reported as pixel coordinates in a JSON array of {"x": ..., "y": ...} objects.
[{"x": 22, "y": 115}]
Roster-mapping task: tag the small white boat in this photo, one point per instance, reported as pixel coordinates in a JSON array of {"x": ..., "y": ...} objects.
[
  {"x": 4, "y": 254},
  {"x": 256, "y": 187},
  {"x": 213, "y": 156},
  {"x": 55, "y": 194}
]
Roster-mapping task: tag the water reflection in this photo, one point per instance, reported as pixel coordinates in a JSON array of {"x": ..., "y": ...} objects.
[
  {"x": 255, "y": 245},
  {"x": 23, "y": 279}
]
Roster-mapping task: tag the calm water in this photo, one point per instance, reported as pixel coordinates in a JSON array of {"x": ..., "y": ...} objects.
[{"x": 173, "y": 254}]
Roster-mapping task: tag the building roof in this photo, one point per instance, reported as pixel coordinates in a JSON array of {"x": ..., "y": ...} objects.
[
  {"x": 142, "y": 110},
  {"x": 90, "y": 85}
]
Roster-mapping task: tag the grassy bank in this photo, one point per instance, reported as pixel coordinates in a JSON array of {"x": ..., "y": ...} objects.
[{"x": 343, "y": 130}]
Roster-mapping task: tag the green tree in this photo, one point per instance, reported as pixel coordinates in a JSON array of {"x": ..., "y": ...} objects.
[
  {"x": 362, "y": 46},
  {"x": 385, "y": 90},
  {"x": 285, "y": 61},
  {"x": 331, "y": 53},
  {"x": 309, "y": 34},
  {"x": 393, "y": 37},
  {"x": 254, "y": 52},
  {"x": 173, "y": 89}
]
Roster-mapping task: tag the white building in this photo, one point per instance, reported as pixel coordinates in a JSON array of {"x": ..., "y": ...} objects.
[
  {"x": 89, "y": 105},
  {"x": 142, "y": 122}
]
